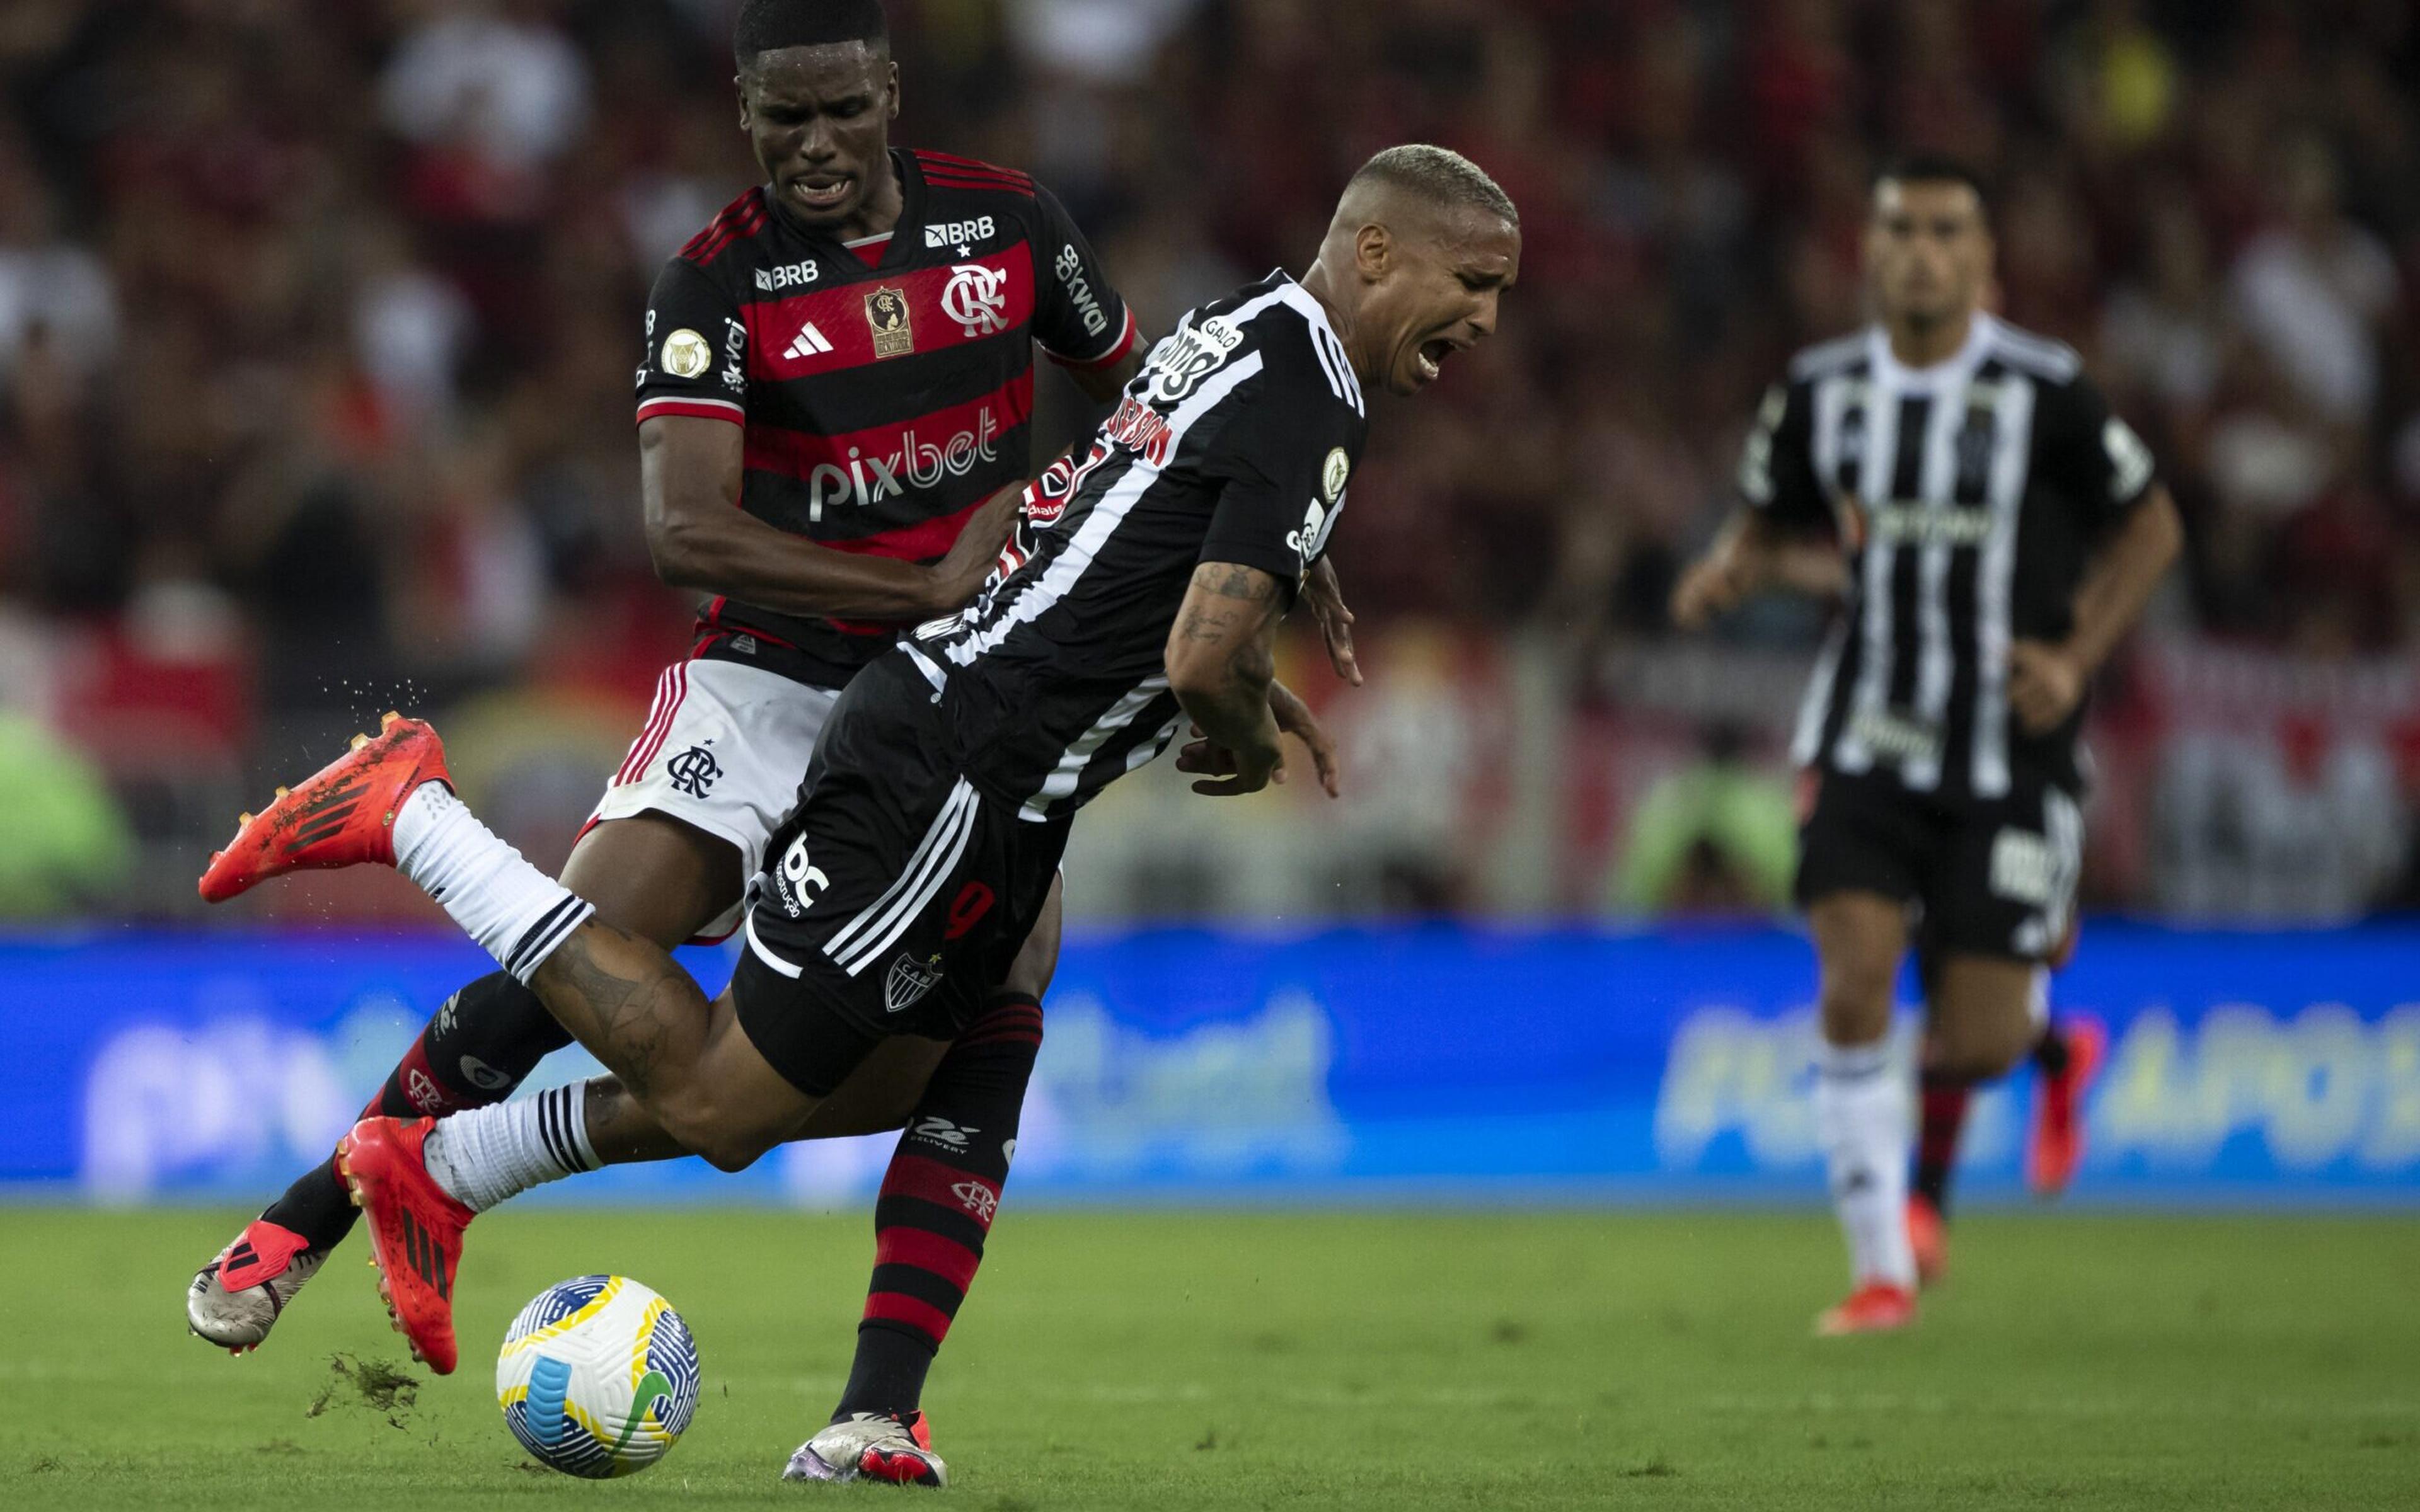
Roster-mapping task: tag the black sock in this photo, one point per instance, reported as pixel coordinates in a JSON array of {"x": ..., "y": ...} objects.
[
  {"x": 2050, "y": 1051},
  {"x": 936, "y": 1205},
  {"x": 1945, "y": 1101},
  {"x": 475, "y": 1050}
]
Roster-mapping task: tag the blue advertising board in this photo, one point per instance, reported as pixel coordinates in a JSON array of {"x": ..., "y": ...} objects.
[{"x": 1397, "y": 1064}]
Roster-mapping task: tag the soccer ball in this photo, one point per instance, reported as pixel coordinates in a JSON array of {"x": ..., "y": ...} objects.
[{"x": 598, "y": 1377}]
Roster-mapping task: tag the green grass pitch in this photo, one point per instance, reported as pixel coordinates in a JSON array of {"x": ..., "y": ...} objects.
[{"x": 1396, "y": 1361}]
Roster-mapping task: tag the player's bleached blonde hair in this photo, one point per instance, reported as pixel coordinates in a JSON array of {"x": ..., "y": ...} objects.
[{"x": 1440, "y": 174}]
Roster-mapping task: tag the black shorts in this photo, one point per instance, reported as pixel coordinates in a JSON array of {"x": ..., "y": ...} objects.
[
  {"x": 1991, "y": 876},
  {"x": 897, "y": 896}
]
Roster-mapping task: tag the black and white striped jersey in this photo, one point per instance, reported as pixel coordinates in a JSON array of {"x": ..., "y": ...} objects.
[
  {"x": 1969, "y": 497},
  {"x": 1233, "y": 445}
]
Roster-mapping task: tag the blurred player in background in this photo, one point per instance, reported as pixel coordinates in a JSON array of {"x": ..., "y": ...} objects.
[
  {"x": 833, "y": 435},
  {"x": 2066, "y": 1059},
  {"x": 2004, "y": 531},
  {"x": 930, "y": 830}
]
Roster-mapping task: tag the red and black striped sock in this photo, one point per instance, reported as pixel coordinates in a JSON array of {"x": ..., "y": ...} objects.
[
  {"x": 475, "y": 1050},
  {"x": 1944, "y": 1099},
  {"x": 937, "y": 1204}
]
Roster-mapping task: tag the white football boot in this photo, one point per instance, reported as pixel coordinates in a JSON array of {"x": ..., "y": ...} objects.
[
  {"x": 235, "y": 1299},
  {"x": 871, "y": 1446}
]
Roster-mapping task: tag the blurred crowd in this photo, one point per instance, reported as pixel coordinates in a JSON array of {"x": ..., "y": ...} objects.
[{"x": 316, "y": 319}]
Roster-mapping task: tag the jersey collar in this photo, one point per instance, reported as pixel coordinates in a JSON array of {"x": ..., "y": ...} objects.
[
  {"x": 1291, "y": 292},
  {"x": 1956, "y": 368},
  {"x": 907, "y": 234}
]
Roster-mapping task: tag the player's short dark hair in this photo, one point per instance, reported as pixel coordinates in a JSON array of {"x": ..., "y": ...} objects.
[
  {"x": 1934, "y": 168},
  {"x": 769, "y": 25},
  {"x": 1441, "y": 175}
]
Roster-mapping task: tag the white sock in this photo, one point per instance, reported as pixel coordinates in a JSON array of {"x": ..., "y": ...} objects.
[
  {"x": 1861, "y": 1121},
  {"x": 487, "y": 1154},
  {"x": 516, "y": 913}
]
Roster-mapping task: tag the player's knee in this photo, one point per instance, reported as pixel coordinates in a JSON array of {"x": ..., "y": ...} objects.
[
  {"x": 714, "y": 1130},
  {"x": 1980, "y": 1052},
  {"x": 1855, "y": 1007}
]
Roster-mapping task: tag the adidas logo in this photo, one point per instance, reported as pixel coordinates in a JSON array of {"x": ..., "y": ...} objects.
[{"x": 808, "y": 343}]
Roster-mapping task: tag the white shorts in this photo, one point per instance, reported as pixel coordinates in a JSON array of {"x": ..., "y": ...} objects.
[{"x": 725, "y": 748}]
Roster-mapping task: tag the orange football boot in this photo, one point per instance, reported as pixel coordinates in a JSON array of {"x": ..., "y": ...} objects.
[
  {"x": 344, "y": 816},
  {"x": 415, "y": 1231},
  {"x": 2054, "y": 1143},
  {"x": 1874, "y": 1307}
]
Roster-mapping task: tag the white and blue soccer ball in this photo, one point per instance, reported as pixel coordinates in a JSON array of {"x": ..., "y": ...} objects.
[{"x": 598, "y": 1377}]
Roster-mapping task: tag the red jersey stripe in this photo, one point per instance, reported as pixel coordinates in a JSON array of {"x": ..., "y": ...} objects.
[
  {"x": 938, "y": 320},
  {"x": 919, "y": 453},
  {"x": 693, "y": 409}
]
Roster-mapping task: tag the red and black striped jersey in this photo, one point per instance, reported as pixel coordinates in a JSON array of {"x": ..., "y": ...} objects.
[{"x": 887, "y": 387}]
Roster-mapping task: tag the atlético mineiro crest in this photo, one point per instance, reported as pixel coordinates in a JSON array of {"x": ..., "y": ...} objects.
[
  {"x": 886, "y": 316},
  {"x": 910, "y": 979}
]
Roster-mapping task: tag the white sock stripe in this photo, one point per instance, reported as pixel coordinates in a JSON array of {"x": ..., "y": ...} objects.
[
  {"x": 539, "y": 945},
  {"x": 932, "y": 842},
  {"x": 914, "y": 905},
  {"x": 537, "y": 931}
]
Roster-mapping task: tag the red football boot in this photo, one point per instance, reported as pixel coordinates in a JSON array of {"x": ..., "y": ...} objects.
[
  {"x": 1929, "y": 1236},
  {"x": 342, "y": 816},
  {"x": 415, "y": 1231},
  {"x": 1874, "y": 1307},
  {"x": 2054, "y": 1143}
]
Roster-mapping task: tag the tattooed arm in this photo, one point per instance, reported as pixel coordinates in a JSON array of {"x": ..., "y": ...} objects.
[{"x": 1220, "y": 665}]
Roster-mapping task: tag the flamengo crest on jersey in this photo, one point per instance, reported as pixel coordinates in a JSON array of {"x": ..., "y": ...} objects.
[{"x": 881, "y": 404}]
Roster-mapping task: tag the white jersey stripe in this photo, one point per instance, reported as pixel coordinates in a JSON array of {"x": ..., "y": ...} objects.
[
  {"x": 1994, "y": 588},
  {"x": 1062, "y": 779},
  {"x": 933, "y": 841},
  {"x": 1937, "y": 486},
  {"x": 937, "y": 873},
  {"x": 1874, "y": 490},
  {"x": 1037, "y": 596}
]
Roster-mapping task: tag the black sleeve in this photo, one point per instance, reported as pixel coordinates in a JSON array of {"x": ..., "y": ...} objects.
[
  {"x": 1777, "y": 468},
  {"x": 2092, "y": 457},
  {"x": 1283, "y": 456},
  {"x": 697, "y": 360},
  {"x": 1078, "y": 319}
]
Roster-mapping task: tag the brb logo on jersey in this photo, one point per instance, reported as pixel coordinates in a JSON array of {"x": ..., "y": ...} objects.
[
  {"x": 1191, "y": 354},
  {"x": 975, "y": 299},
  {"x": 959, "y": 234}
]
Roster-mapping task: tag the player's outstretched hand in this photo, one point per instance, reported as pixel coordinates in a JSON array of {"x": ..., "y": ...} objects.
[
  {"x": 1226, "y": 775},
  {"x": 1326, "y": 598},
  {"x": 1295, "y": 718},
  {"x": 2044, "y": 685}
]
